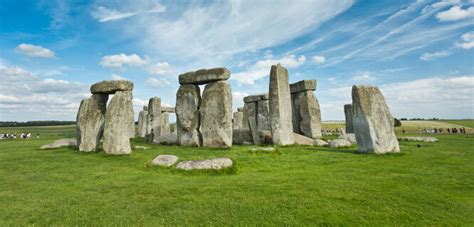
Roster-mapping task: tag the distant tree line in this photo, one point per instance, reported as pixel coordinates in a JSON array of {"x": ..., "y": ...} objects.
[{"x": 34, "y": 123}]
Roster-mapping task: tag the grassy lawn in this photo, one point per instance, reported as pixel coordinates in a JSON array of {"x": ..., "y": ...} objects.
[{"x": 299, "y": 185}]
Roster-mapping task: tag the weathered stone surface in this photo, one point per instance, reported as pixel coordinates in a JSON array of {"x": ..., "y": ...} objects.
[
  {"x": 339, "y": 143},
  {"x": 303, "y": 85},
  {"x": 419, "y": 139},
  {"x": 204, "y": 76},
  {"x": 60, "y": 143},
  {"x": 165, "y": 123},
  {"x": 216, "y": 115},
  {"x": 188, "y": 100},
  {"x": 131, "y": 123},
  {"x": 174, "y": 129},
  {"x": 302, "y": 140},
  {"x": 320, "y": 143},
  {"x": 168, "y": 139},
  {"x": 154, "y": 116},
  {"x": 263, "y": 115},
  {"x": 349, "y": 137},
  {"x": 309, "y": 114},
  {"x": 373, "y": 123},
  {"x": 348, "y": 113},
  {"x": 168, "y": 109},
  {"x": 237, "y": 122},
  {"x": 117, "y": 120},
  {"x": 145, "y": 108},
  {"x": 253, "y": 130},
  {"x": 111, "y": 86},
  {"x": 280, "y": 106},
  {"x": 142, "y": 123},
  {"x": 244, "y": 136},
  {"x": 240, "y": 109},
  {"x": 90, "y": 122},
  {"x": 215, "y": 163},
  {"x": 165, "y": 160},
  {"x": 250, "y": 110},
  {"x": 256, "y": 98}
]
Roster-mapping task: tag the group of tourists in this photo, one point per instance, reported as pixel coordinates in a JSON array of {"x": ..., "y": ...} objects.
[{"x": 23, "y": 135}]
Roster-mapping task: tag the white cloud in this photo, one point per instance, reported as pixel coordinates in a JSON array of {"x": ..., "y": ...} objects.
[
  {"x": 160, "y": 68},
  {"x": 455, "y": 13},
  {"x": 117, "y": 77},
  {"x": 34, "y": 51},
  {"x": 318, "y": 59},
  {"x": 434, "y": 55},
  {"x": 467, "y": 41},
  {"x": 120, "y": 60},
  {"x": 158, "y": 82},
  {"x": 104, "y": 14},
  {"x": 363, "y": 77},
  {"x": 238, "y": 99},
  {"x": 261, "y": 68}
]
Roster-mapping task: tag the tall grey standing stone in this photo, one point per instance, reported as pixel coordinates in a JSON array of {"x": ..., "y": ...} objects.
[
  {"x": 188, "y": 100},
  {"x": 348, "y": 114},
  {"x": 263, "y": 114},
  {"x": 305, "y": 109},
  {"x": 154, "y": 116},
  {"x": 117, "y": 121},
  {"x": 253, "y": 130},
  {"x": 280, "y": 106},
  {"x": 216, "y": 115},
  {"x": 165, "y": 123},
  {"x": 142, "y": 123},
  {"x": 373, "y": 123},
  {"x": 250, "y": 110},
  {"x": 90, "y": 122},
  {"x": 237, "y": 122}
]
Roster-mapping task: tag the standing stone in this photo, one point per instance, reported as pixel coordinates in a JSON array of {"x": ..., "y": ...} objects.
[
  {"x": 165, "y": 124},
  {"x": 305, "y": 109},
  {"x": 131, "y": 125},
  {"x": 253, "y": 130},
  {"x": 216, "y": 115},
  {"x": 142, "y": 123},
  {"x": 237, "y": 120},
  {"x": 117, "y": 121},
  {"x": 280, "y": 106},
  {"x": 90, "y": 122},
  {"x": 154, "y": 116},
  {"x": 373, "y": 123},
  {"x": 263, "y": 113},
  {"x": 250, "y": 110},
  {"x": 348, "y": 113},
  {"x": 188, "y": 100}
]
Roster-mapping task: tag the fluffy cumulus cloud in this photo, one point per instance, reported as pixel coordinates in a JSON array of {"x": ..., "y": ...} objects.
[
  {"x": 318, "y": 59},
  {"x": 467, "y": 41},
  {"x": 160, "y": 68},
  {"x": 119, "y": 61},
  {"x": 34, "y": 51},
  {"x": 434, "y": 55},
  {"x": 261, "y": 68},
  {"x": 105, "y": 14},
  {"x": 456, "y": 13},
  {"x": 26, "y": 96}
]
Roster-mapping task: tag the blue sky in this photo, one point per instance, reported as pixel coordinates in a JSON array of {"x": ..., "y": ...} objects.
[{"x": 420, "y": 53}]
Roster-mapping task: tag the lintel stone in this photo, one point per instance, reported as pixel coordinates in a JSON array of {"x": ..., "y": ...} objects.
[
  {"x": 204, "y": 76},
  {"x": 303, "y": 85}
]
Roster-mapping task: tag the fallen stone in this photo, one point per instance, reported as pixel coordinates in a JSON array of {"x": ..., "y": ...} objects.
[
  {"x": 302, "y": 140},
  {"x": 348, "y": 114},
  {"x": 111, "y": 86},
  {"x": 349, "y": 137},
  {"x": 168, "y": 139},
  {"x": 303, "y": 85},
  {"x": 419, "y": 139},
  {"x": 188, "y": 100},
  {"x": 339, "y": 143},
  {"x": 60, "y": 143},
  {"x": 216, "y": 115},
  {"x": 373, "y": 123},
  {"x": 320, "y": 143},
  {"x": 117, "y": 120},
  {"x": 280, "y": 106},
  {"x": 164, "y": 160},
  {"x": 90, "y": 122},
  {"x": 215, "y": 163},
  {"x": 204, "y": 76}
]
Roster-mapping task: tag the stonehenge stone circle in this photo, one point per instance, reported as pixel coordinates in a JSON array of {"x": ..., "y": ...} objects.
[
  {"x": 373, "y": 123},
  {"x": 204, "y": 76},
  {"x": 142, "y": 123},
  {"x": 305, "y": 109},
  {"x": 348, "y": 114},
  {"x": 188, "y": 100},
  {"x": 280, "y": 106},
  {"x": 111, "y": 86},
  {"x": 90, "y": 122},
  {"x": 216, "y": 115},
  {"x": 117, "y": 122},
  {"x": 237, "y": 121},
  {"x": 154, "y": 116}
]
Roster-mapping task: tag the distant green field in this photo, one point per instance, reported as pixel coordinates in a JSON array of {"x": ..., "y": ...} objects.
[
  {"x": 465, "y": 123},
  {"x": 300, "y": 185}
]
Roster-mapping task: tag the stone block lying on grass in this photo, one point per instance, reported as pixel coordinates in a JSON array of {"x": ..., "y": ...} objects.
[
  {"x": 349, "y": 137},
  {"x": 60, "y": 143},
  {"x": 302, "y": 140},
  {"x": 339, "y": 143},
  {"x": 165, "y": 160},
  {"x": 320, "y": 143},
  {"x": 215, "y": 164},
  {"x": 419, "y": 139}
]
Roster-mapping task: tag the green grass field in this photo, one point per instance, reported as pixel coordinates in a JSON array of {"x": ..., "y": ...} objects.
[{"x": 299, "y": 185}]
